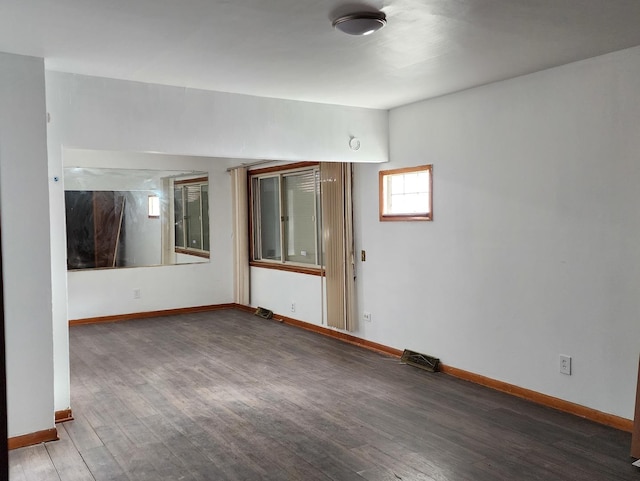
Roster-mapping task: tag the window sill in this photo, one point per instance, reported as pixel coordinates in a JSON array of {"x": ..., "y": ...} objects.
[
  {"x": 405, "y": 217},
  {"x": 204, "y": 255},
  {"x": 312, "y": 271}
]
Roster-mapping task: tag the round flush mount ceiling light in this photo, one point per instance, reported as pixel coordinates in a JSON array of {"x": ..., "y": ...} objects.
[{"x": 363, "y": 23}]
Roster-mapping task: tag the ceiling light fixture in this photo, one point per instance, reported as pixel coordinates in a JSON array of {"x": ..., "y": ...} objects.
[{"x": 363, "y": 23}]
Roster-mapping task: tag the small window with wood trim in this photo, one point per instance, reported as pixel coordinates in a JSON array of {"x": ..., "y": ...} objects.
[{"x": 406, "y": 194}]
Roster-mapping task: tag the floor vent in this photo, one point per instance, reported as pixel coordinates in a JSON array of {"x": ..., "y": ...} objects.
[
  {"x": 422, "y": 361},
  {"x": 264, "y": 313}
]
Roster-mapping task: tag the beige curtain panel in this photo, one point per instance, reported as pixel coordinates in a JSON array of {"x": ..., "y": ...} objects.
[
  {"x": 240, "y": 236},
  {"x": 337, "y": 235}
]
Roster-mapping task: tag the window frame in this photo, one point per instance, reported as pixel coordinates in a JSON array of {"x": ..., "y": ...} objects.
[
  {"x": 285, "y": 265},
  {"x": 410, "y": 216},
  {"x": 199, "y": 181}
]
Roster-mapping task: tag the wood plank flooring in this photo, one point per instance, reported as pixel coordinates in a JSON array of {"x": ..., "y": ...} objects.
[{"x": 228, "y": 396}]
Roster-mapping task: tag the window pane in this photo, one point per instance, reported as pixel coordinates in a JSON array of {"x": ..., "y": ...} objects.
[
  {"x": 421, "y": 202},
  {"x": 193, "y": 216},
  {"x": 179, "y": 216},
  {"x": 398, "y": 204},
  {"x": 423, "y": 180},
  {"x": 205, "y": 217},
  {"x": 269, "y": 219},
  {"x": 300, "y": 219},
  {"x": 411, "y": 184},
  {"x": 397, "y": 184}
]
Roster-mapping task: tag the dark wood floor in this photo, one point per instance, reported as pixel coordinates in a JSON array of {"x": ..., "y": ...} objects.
[{"x": 229, "y": 396}]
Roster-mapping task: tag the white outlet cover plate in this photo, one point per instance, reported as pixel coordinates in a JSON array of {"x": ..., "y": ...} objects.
[{"x": 565, "y": 364}]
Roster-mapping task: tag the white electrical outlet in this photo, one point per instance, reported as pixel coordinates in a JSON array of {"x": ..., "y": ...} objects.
[
  {"x": 565, "y": 364},
  {"x": 366, "y": 316},
  {"x": 136, "y": 293},
  {"x": 293, "y": 307}
]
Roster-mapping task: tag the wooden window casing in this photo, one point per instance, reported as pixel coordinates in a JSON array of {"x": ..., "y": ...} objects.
[
  {"x": 384, "y": 194},
  {"x": 282, "y": 263}
]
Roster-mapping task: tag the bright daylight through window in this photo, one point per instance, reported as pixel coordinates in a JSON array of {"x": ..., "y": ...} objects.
[
  {"x": 154, "y": 206},
  {"x": 406, "y": 194}
]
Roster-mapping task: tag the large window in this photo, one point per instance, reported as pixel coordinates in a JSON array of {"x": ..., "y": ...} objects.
[
  {"x": 191, "y": 208},
  {"x": 286, "y": 217},
  {"x": 406, "y": 194}
]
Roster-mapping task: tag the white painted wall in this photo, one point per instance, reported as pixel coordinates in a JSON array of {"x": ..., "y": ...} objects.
[
  {"x": 533, "y": 252},
  {"x": 25, "y": 245},
  {"x": 181, "y": 258},
  {"x": 534, "y": 248},
  {"x": 106, "y": 114},
  {"x": 113, "y": 115},
  {"x": 277, "y": 290}
]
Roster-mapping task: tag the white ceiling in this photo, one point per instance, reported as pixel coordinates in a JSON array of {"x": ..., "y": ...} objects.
[{"x": 288, "y": 49}]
